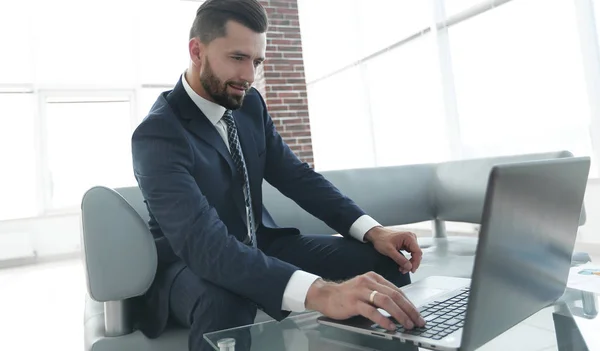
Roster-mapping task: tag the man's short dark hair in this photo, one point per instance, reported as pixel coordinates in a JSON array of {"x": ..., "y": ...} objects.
[{"x": 213, "y": 15}]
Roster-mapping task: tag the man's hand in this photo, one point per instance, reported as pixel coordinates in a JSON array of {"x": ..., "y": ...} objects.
[
  {"x": 389, "y": 242},
  {"x": 352, "y": 298}
]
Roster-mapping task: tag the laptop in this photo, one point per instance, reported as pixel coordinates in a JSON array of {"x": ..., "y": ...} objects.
[{"x": 529, "y": 224}]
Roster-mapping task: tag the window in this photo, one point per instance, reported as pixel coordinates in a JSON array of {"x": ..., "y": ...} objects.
[
  {"x": 339, "y": 121},
  {"x": 360, "y": 115},
  {"x": 596, "y": 4},
  {"x": 162, "y": 34},
  {"x": 361, "y": 28},
  {"x": 382, "y": 23},
  {"x": 18, "y": 178},
  {"x": 329, "y": 32},
  {"x": 405, "y": 105},
  {"x": 88, "y": 143},
  {"x": 17, "y": 51},
  {"x": 519, "y": 80},
  {"x": 453, "y": 7},
  {"x": 79, "y": 77},
  {"x": 92, "y": 46}
]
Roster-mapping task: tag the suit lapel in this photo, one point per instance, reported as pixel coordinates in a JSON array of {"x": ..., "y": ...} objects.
[
  {"x": 207, "y": 132},
  {"x": 199, "y": 124}
]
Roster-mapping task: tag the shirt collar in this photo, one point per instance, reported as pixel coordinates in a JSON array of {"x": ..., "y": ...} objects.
[{"x": 214, "y": 112}]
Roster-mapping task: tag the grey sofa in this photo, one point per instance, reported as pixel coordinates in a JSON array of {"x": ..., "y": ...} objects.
[{"x": 120, "y": 258}]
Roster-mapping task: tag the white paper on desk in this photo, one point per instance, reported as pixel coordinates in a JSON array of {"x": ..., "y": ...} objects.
[{"x": 582, "y": 281}]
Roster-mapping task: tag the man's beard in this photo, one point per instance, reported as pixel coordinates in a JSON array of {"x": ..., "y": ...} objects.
[{"x": 218, "y": 90}]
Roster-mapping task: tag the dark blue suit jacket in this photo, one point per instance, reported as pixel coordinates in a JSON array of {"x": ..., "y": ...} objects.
[{"x": 196, "y": 203}]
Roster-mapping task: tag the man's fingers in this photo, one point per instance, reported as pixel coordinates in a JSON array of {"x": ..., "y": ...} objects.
[
  {"x": 394, "y": 288},
  {"x": 383, "y": 300},
  {"x": 401, "y": 308},
  {"x": 370, "y": 312},
  {"x": 403, "y": 262},
  {"x": 411, "y": 244},
  {"x": 415, "y": 262},
  {"x": 393, "y": 300}
]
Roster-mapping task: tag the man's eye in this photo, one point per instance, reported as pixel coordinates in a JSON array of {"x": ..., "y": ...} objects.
[{"x": 238, "y": 58}]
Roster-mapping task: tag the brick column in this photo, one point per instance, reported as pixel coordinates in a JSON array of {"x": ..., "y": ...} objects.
[{"x": 282, "y": 81}]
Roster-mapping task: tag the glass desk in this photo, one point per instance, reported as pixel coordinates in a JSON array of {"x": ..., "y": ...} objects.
[{"x": 572, "y": 323}]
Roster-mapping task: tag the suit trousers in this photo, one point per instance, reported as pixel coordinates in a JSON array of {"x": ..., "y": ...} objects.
[{"x": 205, "y": 307}]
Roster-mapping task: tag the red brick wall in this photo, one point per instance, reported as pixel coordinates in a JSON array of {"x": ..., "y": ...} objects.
[{"x": 282, "y": 81}]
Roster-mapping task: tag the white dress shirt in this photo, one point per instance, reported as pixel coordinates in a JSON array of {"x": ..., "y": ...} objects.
[{"x": 295, "y": 292}]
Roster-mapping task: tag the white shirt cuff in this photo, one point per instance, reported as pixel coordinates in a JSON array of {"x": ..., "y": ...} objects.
[
  {"x": 295, "y": 292},
  {"x": 361, "y": 226}
]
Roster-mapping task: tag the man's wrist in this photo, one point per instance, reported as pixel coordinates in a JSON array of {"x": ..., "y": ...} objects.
[
  {"x": 373, "y": 233},
  {"x": 318, "y": 292},
  {"x": 361, "y": 226},
  {"x": 294, "y": 295}
]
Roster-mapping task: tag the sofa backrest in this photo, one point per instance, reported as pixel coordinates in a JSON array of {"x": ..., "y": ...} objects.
[
  {"x": 450, "y": 191},
  {"x": 460, "y": 186},
  {"x": 391, "y": 195}
]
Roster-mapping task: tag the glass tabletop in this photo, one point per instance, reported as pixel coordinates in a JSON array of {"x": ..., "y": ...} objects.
[{"x": 571, "y": 323}]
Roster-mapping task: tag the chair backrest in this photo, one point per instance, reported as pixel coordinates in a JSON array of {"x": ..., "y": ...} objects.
[
  {"x": 135, "y": 199},
  {"x": 119, "y": 253}
]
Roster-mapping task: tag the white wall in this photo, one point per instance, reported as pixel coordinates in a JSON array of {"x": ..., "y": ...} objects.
[{"x": 60, "y": 235}]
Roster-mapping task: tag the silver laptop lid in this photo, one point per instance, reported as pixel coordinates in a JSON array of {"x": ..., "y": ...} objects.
[{"x": 529, "y": 226}]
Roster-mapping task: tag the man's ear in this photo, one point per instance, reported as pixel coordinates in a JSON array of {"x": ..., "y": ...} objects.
[{"x": 196, "y": 51}]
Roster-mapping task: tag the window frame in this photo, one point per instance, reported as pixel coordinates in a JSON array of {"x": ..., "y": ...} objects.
[
  {"x": 28, "y": 89},
  {"x": 438, "y": 27},
  {"x": 590, "y": 50},
  {"x": 44, "y": 176}
]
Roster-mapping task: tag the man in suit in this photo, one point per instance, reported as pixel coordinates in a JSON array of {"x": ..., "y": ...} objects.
[{"x": 200, "y": 157}]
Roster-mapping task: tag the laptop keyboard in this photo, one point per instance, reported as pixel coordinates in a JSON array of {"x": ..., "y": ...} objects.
[{"x": 442, "y": 317}]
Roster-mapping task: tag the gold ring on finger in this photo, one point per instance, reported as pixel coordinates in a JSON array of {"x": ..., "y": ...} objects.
[{"x": 372, "y": 297}]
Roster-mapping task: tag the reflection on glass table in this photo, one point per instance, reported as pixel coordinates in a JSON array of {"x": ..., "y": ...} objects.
[{"x": 571, "y": 323}]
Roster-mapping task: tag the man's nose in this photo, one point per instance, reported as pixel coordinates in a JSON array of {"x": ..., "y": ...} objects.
[{"x": 248, "y": 73}]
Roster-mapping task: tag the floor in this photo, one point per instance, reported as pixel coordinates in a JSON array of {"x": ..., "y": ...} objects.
[{"x": 41, "y": 309}]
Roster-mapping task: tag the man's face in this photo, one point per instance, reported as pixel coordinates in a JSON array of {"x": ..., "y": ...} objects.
[{"x": 229, "y": 64}]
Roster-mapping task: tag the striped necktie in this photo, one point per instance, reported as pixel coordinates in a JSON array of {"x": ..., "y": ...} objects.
[{"x": 238, "y": 159}]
